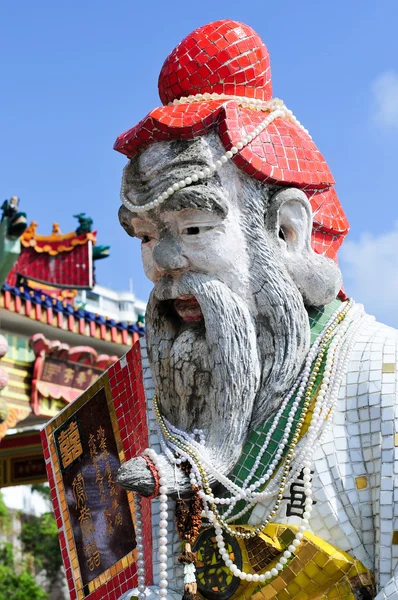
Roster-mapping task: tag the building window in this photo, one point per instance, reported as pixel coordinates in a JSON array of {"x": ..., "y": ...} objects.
[
  {"x": 109, "y": 305},
  {"x": 93, "y": 298},
  {"x": 126, "y": 306}
]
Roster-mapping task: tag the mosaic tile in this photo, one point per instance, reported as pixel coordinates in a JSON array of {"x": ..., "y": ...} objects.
[
  {"x": 361, "y": 482},
  {"x": 206, "y": 62},
  {"x": 82, "y": 448},
  {"x": 360, "y": 519}
]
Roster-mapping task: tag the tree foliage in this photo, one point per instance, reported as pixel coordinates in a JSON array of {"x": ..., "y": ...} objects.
[
  {"x": 39, "y": 537},
  {"x": 4, "y": 518},
  {"x": 15, "y": 586}
]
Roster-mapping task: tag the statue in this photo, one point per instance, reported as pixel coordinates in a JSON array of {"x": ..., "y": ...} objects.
[
  {"x": 85, "y": 223},
  {"x": 16, "y": 220},
  {"x": 85, "y": 226},
  {"x": 275, "y": 395},
  {"x": 10, "y": 207}
]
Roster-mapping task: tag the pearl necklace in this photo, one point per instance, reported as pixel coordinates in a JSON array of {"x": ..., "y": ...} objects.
[
  {"x": 336, "y": 341},
  {"x": 350, "y": 340},
  {"x": 300, "y": 386},
  {"x": 276, "y": 109},
  {"x": 163, "y": 576},
  {"x": 325, "y": 411},
  {"x": 298, "y": 458}
]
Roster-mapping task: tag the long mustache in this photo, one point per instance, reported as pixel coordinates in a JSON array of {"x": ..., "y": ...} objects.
[{"x": 188, "y": 283}]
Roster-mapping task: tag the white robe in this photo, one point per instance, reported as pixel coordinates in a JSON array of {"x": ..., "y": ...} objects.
[{"x": 358, "y": 516}]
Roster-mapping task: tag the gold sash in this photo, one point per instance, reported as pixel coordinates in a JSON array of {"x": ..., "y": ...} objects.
[{"x": 317, "y": 571}]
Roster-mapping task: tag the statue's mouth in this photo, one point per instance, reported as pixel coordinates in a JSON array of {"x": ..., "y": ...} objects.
[{"x": 188, "y": 308}]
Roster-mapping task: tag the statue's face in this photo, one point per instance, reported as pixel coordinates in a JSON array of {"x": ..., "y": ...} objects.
[
  {"x": 227, "y": 329},
  {"x": 206, "y": 238}
]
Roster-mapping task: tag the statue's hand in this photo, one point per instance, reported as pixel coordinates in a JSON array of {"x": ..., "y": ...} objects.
[{"x": 136, "y": 476}]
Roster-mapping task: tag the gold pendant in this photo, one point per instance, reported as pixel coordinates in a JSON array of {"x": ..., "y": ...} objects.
[{"x": 318, "y": 570}]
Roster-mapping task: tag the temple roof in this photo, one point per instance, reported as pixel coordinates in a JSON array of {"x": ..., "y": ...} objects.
[
  {"x": 44, "y": 280},
  {"x": 33, "y": 303}
]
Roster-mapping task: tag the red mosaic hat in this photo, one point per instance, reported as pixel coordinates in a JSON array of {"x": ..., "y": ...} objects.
[{"x": 219, "y": 77}]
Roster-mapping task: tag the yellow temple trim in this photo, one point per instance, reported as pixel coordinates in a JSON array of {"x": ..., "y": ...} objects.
[
  {"x": 15, "y": 396},
  {"x": 56, "y": 242},
  {"x": 18, "y": 384}
]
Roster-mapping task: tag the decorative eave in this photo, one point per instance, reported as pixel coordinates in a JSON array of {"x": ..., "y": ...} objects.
[
  {"x": 56, "y": 242},
  {"x": 42, "y": 308},
  {"x": 14, "y": 416}
]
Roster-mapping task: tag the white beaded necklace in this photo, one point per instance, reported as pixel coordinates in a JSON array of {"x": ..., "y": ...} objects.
[
  {"x": 276, "y": 109},
  {"x": 163, "y": 576},
  {"x": 345, "y": 345},
  {"x": 342, "y": 336}
]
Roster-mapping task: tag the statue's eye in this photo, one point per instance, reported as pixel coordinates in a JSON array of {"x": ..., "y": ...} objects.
[
  {"x": 196, "y": 229},
  {"x": 192, "y": 231}
]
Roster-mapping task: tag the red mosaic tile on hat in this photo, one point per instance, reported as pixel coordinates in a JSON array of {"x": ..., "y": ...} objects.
[{"x": 228, "y": 57}]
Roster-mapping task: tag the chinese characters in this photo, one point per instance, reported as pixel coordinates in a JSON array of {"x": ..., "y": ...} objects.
[
  {"x": 70, "y": 374},
  {"x": 296, "y": 500},
  {"x": 70, "y": 446},
  {"x": 86, "y": 522},
  {"x": 97, "y": 509},
  {"x": 98, "y": 448}
]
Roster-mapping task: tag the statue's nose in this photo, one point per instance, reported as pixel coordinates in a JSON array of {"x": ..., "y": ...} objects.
[{"x": 168, "y": 256}]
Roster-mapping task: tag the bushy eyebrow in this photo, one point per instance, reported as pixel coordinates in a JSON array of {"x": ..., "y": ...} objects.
[{"x": 206, "y": 197}]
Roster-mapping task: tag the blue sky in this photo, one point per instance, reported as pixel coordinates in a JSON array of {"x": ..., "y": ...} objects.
[{"x": 74, "y": 75}]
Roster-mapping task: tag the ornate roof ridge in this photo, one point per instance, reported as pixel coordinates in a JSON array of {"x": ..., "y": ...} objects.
[{"x": 56, "y": 242}]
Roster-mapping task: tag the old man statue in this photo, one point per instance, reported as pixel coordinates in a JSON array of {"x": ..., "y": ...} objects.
[{"x": 275, "y": 394}]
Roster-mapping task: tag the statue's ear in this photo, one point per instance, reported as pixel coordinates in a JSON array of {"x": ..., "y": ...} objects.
[{"x": 289, "y": 222}]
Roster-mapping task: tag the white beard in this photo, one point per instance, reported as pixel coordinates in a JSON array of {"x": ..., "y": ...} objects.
[{"x": 207, "y": 374}]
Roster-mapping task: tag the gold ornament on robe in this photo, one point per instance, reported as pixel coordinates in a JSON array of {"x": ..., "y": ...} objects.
[{"x": 317, "y": 571}]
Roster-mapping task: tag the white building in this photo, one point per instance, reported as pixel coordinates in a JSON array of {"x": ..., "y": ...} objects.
[{"x": 120, "y": 306}]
